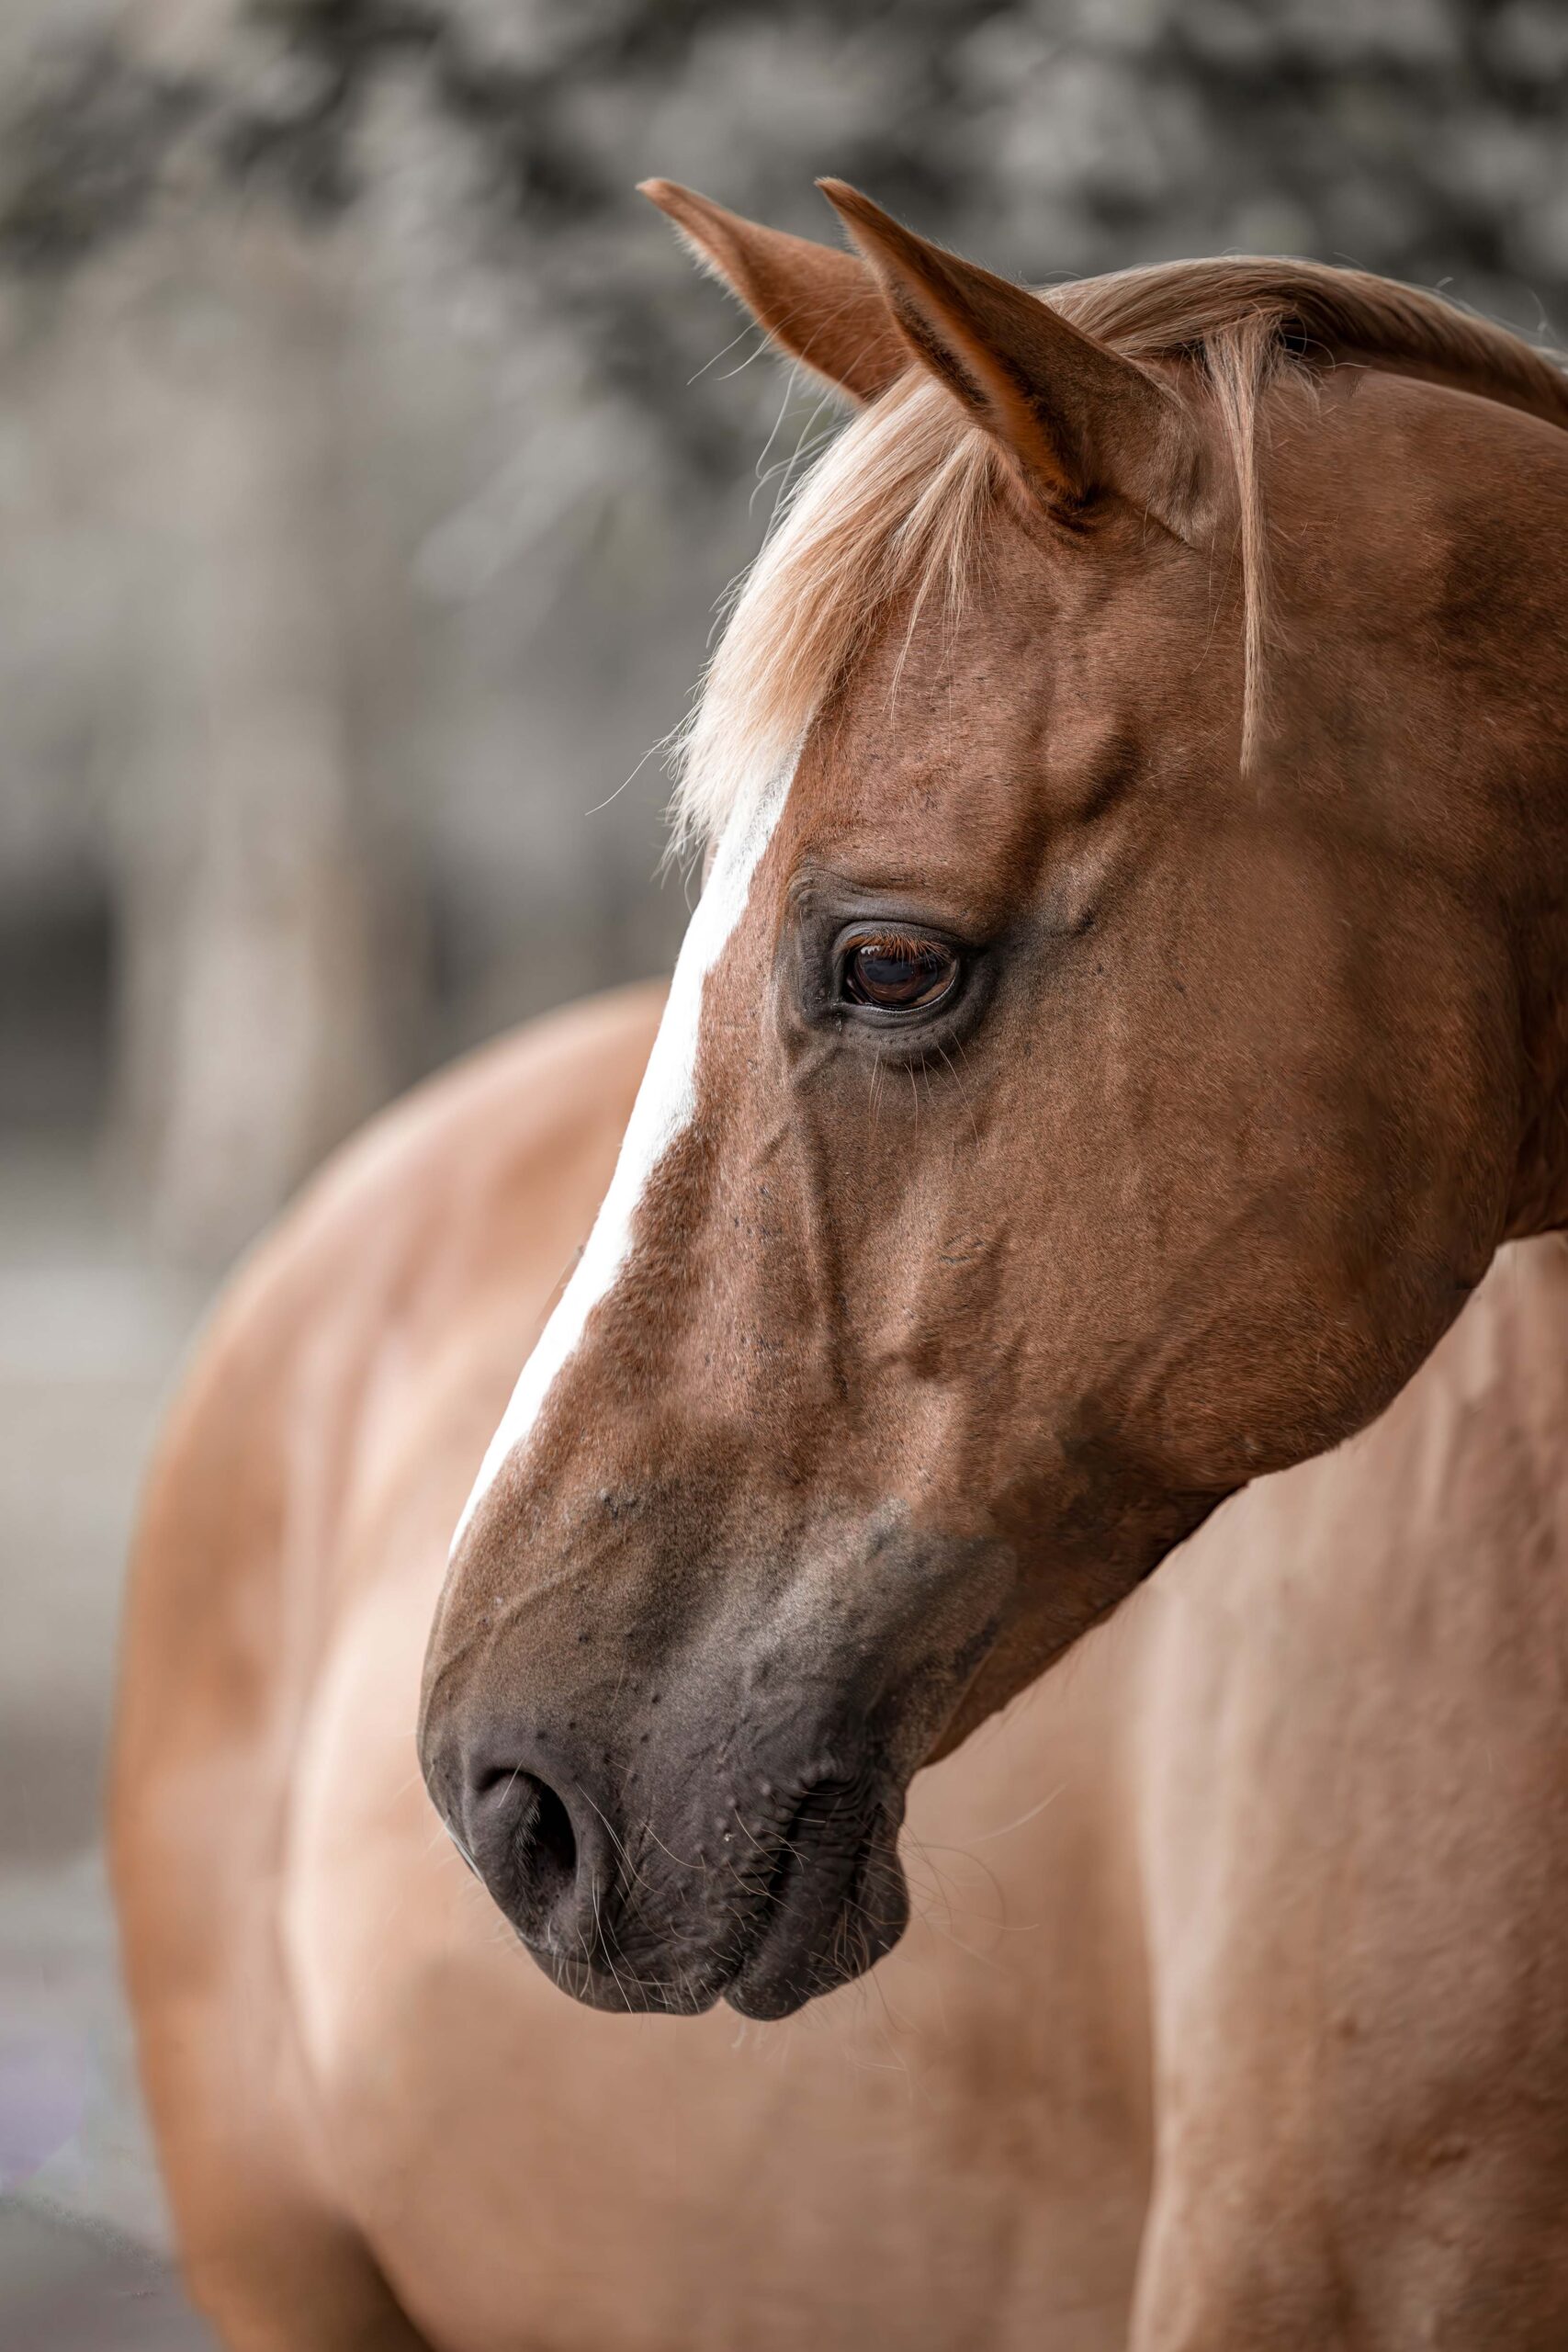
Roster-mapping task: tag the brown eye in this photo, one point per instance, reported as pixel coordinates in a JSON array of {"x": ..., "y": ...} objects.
[{"x": 898, "y": 973}]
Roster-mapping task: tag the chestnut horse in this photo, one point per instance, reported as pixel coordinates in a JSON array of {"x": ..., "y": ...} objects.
[{"x": 1126, "y": 1015}]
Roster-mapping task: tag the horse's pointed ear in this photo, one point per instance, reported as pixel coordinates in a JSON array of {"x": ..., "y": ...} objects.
[
  {"x": 821, "y": 305},
  {"x": 1074, "y": 418}
]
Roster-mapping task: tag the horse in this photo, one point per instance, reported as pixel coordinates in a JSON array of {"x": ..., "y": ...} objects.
[{"x": 1094, "y": 1184}]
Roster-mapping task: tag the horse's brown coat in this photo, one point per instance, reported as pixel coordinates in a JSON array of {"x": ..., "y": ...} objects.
[{"x": 1268, "y": 1979}]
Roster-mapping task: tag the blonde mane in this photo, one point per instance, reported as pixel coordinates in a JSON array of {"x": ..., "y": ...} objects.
[{"x": 896, "y": 507}]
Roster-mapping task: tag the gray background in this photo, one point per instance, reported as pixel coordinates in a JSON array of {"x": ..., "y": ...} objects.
[{"x": 370, "y": 464}]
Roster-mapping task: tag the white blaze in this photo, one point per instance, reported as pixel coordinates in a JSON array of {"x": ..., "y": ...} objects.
[{"x": 664, "y": 1107}]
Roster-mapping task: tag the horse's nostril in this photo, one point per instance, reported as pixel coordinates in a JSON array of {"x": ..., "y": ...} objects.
[
  {"x": 551, "y": 1858},
  {"x": 525, "y": 1847}
]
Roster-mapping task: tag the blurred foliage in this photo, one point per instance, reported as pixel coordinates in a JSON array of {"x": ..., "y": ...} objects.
[
  {"x": 1418, "y": 137},
  {"x": 371, "y": 458}
]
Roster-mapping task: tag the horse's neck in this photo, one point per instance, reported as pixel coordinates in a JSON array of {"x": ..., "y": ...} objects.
[
  {"x": 1468, "y": 1458},
  {"x": 1479, "y": 1436},
  {"x": 1455, "y": 1498}
]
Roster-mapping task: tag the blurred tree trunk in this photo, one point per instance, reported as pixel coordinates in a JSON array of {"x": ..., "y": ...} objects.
[{"x": 252, "y": 1037}]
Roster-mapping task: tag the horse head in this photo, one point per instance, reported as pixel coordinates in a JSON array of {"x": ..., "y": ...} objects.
[{"x": 1115, "y": 1033}]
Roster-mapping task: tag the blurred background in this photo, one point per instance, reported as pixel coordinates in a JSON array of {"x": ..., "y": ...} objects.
[{"x": 371, "y": 460}]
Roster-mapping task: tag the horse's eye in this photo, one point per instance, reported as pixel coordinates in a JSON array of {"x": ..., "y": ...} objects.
[{"x": 897, "y": 973}]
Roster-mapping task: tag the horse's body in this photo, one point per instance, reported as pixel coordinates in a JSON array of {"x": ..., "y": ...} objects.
[
  {"x": 1232, "y": 1010},
  {"x": 1302, "y": 1805}
]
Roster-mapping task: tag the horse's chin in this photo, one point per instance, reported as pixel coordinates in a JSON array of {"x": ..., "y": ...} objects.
[{"x": 623, "y": 1992}]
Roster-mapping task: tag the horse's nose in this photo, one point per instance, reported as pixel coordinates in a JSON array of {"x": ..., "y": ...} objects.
[{"x": 540, "y": 1846}]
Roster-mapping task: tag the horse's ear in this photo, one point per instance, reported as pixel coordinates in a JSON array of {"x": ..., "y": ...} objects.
[
  {"x": 821, "y": 305},
  {"x": 1072, "y": 417}
]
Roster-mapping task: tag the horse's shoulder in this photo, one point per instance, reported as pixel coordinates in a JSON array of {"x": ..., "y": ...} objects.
[
  {"x": 502, "y": 1112},
  {"x": 427, "y": 1179}
]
